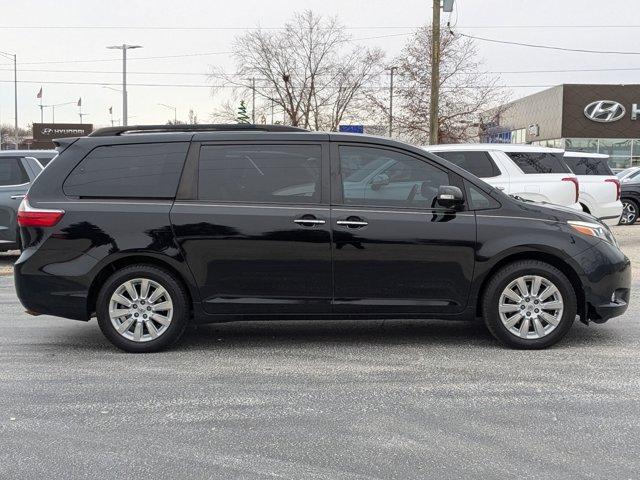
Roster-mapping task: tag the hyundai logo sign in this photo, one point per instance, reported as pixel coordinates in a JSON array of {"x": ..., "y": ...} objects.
[{"x": 604, "y": 111}]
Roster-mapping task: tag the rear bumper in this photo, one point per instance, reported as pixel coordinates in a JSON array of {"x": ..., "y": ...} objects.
[
  {"x": 606, "y": 282},
  {"x": 609, "y": 213},
  {"x": 42, "y": 288}
]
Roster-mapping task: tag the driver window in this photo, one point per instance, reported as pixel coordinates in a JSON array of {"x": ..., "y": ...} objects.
[{"x": 380, "y": 177}]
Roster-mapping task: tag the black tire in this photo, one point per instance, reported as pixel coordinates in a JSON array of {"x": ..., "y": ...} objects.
[
  {"x": 178, "y": 297},
  {"x": 511, "y": 272},
  {"x": 629, "y": 215}
]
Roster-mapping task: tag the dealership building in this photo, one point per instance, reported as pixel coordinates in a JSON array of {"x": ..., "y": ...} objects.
[{"x": 578, "y": 117}]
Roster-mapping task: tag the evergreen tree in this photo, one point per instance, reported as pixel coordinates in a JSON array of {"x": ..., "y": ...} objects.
[{"x": 242, "y": 116}]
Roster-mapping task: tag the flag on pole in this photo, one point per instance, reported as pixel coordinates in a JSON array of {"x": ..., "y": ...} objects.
[
  {"x": 80, "y": 102},
  {"x": 39, "y": 95},
  {"x": 110, "y": 110}
]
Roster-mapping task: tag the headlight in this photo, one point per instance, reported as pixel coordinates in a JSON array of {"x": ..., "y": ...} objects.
[{"x": 594, "y": 230}]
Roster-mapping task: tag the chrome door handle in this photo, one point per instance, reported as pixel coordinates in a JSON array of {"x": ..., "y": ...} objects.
[
  {"x": 17, "y": 197},
  {"x": 352, "y": 223},
  {"x": 309, "y": 221}
]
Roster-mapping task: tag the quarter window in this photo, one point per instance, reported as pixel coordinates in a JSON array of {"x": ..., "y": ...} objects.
[
  {"x": 539, "y": 162},
  {"x": 588, "y": 165},
  {"x": 479, "y": 164},
  {"x": 260, "y": 173},
  {"x": 12, "y": 172},
  {"x": 389, "y": 178},
  {"x": 129, "y": 171}
]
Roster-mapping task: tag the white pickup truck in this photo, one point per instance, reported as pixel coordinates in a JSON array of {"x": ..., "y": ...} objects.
[
  {"x": 599, "y": 186},
  {"x": 534, "y": 173}
]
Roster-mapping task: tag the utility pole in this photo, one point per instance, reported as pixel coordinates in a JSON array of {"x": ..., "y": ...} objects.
[
  {"x": 435, "y": 74},
  {"x": 253, "y": 100},
  {"x": 392, "y": 70},
  {"x": 124, "y": 47}
]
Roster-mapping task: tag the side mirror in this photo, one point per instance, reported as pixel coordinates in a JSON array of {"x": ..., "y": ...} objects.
[
  {"x": 450, "y": 197},
  {"x": 379, "y": 181}
]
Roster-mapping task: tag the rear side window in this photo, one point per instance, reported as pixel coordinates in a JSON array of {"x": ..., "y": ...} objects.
[
  {"x": 12, "y": 172},
  {"x": 479, "y": 164},
  {"x": 260, "y": 173},
  {"x": 539, "y": 162},
  {"x": 45, "y": 159},
  {"x": 150, "y": 170},
  {"x": 588, "y": 165}
]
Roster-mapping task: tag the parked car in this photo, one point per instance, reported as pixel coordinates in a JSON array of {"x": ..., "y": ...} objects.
[
  {"x": 16, "y": 174},
  {"x": 631, "y": 174},
  {"x": 534, "y": 173},
  {"x": 150, "y": 228},
  {"x": 599, "y": 187},
  {"x": 43, "y": 156},
  {"x": 630, "y": 196}
]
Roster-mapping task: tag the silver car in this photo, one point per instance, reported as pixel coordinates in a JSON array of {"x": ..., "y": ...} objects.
[{"x": 17, "y": 171}]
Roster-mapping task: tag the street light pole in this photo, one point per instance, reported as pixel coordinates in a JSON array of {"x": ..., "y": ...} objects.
[
  {"x": 175, "y": 111},
  {"x": 53, "y": 109},
  {"x": 435, "y": 74},
  {"x": 253, "y": 99},
  {"x": 15, "y": 95},
  {"x": 392, "y": 70},
  {"x": 124, "y": 47},
  {"x": 15, "y": 92}
]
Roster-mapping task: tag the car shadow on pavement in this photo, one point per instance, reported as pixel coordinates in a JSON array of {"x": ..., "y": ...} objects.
[
  {"x": 428, "y": 333},
  {"x": 335, "y": 333}
]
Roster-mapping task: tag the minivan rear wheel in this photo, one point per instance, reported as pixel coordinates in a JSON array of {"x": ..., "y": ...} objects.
[
  {"x": 142, "y": 308},
  {"x": 529, "y": 304}
]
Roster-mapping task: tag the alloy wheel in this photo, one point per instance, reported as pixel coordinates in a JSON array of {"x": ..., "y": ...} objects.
[
  {"x": 531, "y": 307},
  {"x": 140, "y": 310},
  {"x": 629, "y": 213}
]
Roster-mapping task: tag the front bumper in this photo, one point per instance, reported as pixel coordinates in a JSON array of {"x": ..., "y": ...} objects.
[{"x": 606, "y": 281}]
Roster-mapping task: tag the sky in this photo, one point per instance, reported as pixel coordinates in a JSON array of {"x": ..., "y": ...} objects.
[{"x": 61, "y": 46}]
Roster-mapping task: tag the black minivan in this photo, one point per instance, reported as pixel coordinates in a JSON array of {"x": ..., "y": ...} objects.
[{"x": 149, "y": 228}]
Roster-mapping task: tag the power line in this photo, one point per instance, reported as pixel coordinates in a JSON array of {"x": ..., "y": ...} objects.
[
  {"x": 200, "y": 74},
  {"x": 50, "y": 62},
  {"x": 547, "y": 47},
  {"x": 120, "y": 59},
  {"x": 162, "y": 27},
  {"x": 235, "y": 28},
  {"x": 53, "y": 82}
]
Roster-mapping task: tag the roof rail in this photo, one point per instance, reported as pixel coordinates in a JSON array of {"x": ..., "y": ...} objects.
[{"x": 215, "y": 127}]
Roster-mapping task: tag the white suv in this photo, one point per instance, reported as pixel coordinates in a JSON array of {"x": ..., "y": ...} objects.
[
  {"x": 599, "y": 187},
  {"x": 534, "y": 173}
]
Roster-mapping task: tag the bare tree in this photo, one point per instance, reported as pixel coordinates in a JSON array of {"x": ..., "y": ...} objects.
[
  {"x": 309, "y": 71},
  {"x": 465, "y": 90},
  {"x": 7, "y": 134}
]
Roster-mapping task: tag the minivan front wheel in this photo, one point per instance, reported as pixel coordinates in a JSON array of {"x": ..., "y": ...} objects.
[
  {"x": 142, "y": 308},
  {"x": 529, "y": 304}
]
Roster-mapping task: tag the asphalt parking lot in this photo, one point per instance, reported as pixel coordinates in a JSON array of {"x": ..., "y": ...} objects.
[{"x": 319, "y": 400}]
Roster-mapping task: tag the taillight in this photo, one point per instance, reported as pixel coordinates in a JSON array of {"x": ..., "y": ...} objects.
[
  {"x": 574, "y": 180},
  {"x": 617, "y": 183},
  {"x": 29, "y": 216}
]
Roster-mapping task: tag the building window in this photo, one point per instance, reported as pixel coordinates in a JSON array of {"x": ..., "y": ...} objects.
[
  {"x": 519, "y": 136},
  {"x": 587, "y": 145}
]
